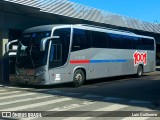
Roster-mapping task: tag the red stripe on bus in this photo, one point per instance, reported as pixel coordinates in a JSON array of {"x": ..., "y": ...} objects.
[{"x": 79, "y": 61}]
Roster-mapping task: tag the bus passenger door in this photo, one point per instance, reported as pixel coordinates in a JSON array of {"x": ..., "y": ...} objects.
[{"x": 55, "y": 61}]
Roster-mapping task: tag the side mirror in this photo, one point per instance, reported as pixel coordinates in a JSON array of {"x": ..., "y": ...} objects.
[
  {"x": 8, "y": 45},
  {"x": 44, "y": 41}
]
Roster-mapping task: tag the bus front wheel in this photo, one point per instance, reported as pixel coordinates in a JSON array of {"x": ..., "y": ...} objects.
[
  {"x": 139, "y": 71},
  {"x": 78, "y": 78}
]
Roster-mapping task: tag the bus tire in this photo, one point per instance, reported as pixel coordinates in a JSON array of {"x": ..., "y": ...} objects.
[
  {"x": 139, "y": 71},
  {"x": 78, "y": 78}
]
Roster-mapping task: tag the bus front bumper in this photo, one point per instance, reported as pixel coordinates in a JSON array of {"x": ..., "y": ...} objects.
[{"x": 31, "y": 80}]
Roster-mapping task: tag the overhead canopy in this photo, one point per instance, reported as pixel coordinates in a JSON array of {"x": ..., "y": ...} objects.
[{"x": 74, "y": 10}]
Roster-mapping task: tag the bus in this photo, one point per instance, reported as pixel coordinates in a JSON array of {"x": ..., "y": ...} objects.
[{"x": 54, "y": 54}]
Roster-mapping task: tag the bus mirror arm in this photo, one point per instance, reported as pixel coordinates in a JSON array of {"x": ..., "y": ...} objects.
[
  {"x": 44, "y": 41},
  {"x": 8, "y": 45}
]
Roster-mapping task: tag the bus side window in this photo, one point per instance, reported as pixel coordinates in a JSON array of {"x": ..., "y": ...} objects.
[
  {"x": 136, "y": 43},
  {"x": 81, "y": 40},
  {"x": 144, "y": 44},
  {"x": 127, "y": 42},
  {"x": 99, "y": 39},
  {"x": 150, "y": 44},
  {"x": 114, "y": 41}
]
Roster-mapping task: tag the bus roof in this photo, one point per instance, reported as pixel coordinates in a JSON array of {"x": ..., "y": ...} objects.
[
  {"x": 83, "y": 26},
  {"x": 110, "y": 30},
  {"x": 40, "y": 28}
]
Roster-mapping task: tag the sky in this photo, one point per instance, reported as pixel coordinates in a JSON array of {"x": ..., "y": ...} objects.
[{"x": 145, "y": 10}]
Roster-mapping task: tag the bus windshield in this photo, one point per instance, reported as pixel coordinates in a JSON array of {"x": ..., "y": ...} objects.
[{"x": 29, "y": 54}]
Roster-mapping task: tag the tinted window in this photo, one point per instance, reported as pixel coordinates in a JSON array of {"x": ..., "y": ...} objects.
[
  {"x": 60, "y": 47},
  {"x": 37, "y": 37},
  {"x": 34, "y": 38},
  {"x": 114, "y": 41},
  {"x": 55, "y": 58},
  {"x": 29, "y": 54},
  {"x": 144, "y": 44},
  {"x": 81, "y": 40},
  {"x": 136, "y": 43},
  {"x": 127, "y": 42},
  {"x": 99, "y": 39},
  {"x": 150, "y": 44}
]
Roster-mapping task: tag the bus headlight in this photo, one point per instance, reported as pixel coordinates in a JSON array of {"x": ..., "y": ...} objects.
[{"x": 39, "y": 73}]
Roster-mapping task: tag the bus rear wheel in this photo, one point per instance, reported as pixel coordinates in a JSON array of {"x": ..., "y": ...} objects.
[
  {"x": 78, "y": 78},
  {"x": 139, "y": 71}
]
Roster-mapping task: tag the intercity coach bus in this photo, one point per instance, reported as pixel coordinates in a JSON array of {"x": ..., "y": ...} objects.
[{"x": 53, "y": 54}]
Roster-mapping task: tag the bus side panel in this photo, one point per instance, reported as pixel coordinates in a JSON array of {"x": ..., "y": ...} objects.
[
  {"x": 151, "y": 62},
  {"x": 104, "y": 62},
  {"x": 101, "y": 62},
  {"x": 80, "y": 59},
  {"x": 60, "y": 75},
  {"x": 117, "y": 62}
]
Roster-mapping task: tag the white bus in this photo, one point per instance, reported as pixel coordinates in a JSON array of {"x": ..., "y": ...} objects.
[{"x": 54, "y": 54}]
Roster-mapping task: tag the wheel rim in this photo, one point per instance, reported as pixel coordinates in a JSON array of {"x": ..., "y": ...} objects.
[
  {"x": 78, "y": 78},
  {"x": 140, "y": 71}
]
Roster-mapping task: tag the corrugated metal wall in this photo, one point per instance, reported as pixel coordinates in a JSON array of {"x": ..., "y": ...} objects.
[{"x": 71, "y": 9}]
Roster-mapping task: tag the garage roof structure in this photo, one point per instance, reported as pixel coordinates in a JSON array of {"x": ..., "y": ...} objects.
[{"x": 78, "y": 11}]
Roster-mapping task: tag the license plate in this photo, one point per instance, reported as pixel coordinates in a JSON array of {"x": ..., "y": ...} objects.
[{"x": 30, "y": 72}]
